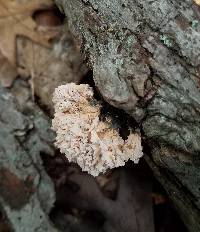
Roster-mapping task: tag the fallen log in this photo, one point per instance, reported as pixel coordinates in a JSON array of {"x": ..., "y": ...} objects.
[{"x": 145, "y": 59}]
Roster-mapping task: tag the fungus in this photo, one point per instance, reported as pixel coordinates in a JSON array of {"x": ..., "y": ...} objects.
[{"x": 83, "y": 138}]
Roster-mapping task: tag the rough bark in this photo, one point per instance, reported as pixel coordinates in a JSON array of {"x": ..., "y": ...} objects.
[
  {"x": 145, "y": 59},
  {"x": 26, "y": 191}
]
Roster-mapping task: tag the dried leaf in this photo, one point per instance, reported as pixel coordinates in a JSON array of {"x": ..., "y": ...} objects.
[
  {"x": 50, "y": 67},
  {"x": 16, "y": 20},
  {"x": 197, "y": 2},
  {"x": 8, "y": 72}
]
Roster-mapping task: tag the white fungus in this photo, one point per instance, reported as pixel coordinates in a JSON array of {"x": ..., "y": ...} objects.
[{"x": 94, "y": 145}]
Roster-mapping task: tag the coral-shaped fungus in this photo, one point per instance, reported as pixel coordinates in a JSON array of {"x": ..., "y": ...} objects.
[{"x": 93, "y": 144}]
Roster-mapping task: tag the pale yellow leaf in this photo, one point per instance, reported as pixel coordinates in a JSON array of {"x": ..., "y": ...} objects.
[{"x": 197, "y": 2}]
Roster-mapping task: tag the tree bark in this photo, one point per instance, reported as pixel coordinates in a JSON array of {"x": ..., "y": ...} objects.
[
  {"x": 26, "y": 191},
  {"x": 145, "y": 59}
]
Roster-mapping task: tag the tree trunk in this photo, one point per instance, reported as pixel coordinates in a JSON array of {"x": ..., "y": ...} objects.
[{"x": 145, "y": 59}]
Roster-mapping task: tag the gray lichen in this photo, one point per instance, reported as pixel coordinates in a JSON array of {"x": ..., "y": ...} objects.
[{"x": 166, "y": 40}]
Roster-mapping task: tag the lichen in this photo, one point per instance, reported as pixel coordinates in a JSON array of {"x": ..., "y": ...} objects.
[
  {"x": 166, "y": 40},
  {"x": 194, "y": 24},
  {"x": 83, "y": 138}
]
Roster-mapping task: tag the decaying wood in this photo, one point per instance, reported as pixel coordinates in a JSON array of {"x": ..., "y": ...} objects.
[
  {"x": 26, "y": 191},
  {"x": 145, "y": 59}
]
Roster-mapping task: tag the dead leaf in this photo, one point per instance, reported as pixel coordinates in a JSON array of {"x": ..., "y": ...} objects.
[
  {"x": 197, "y": 2},
  {"x": 16, "y": 20},
  {"x": 50, "y": 67},
  {"x": 8, "y": 72}
]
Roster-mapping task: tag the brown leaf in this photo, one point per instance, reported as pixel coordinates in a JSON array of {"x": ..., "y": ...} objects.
[
  {"x": 15, "y": 191},
  {"x": 16, "y": 20},
  {"x": 8, "y": 72}
]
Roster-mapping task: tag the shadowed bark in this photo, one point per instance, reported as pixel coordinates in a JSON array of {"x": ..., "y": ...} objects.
[{"x": 130, "y": 211}]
